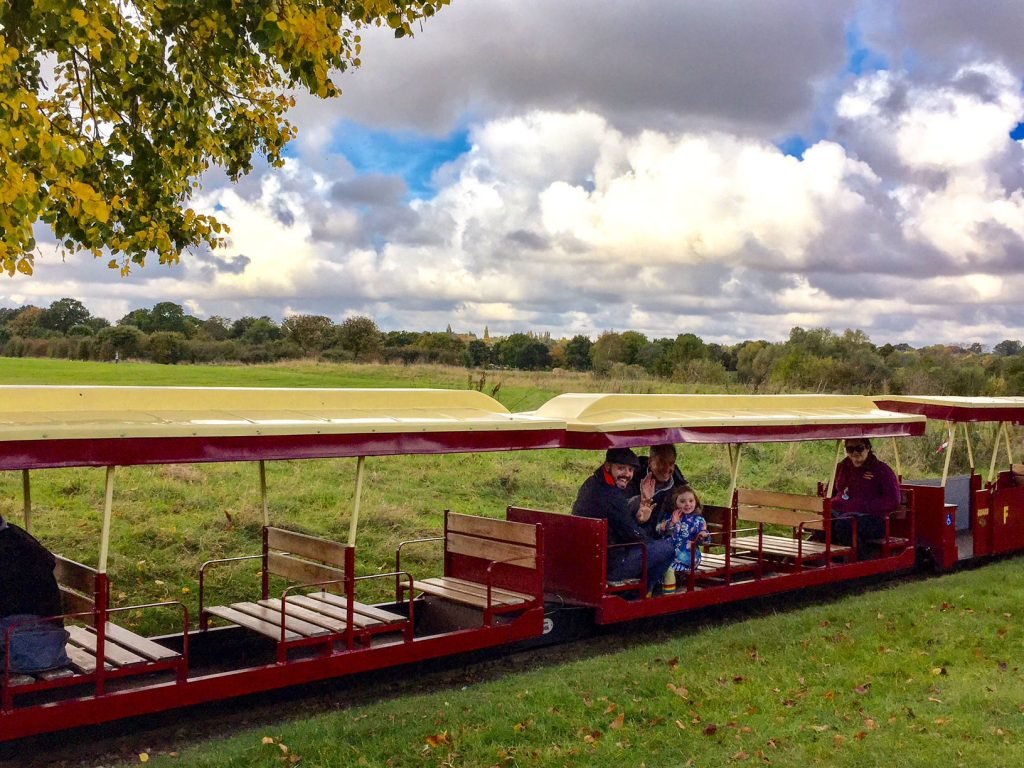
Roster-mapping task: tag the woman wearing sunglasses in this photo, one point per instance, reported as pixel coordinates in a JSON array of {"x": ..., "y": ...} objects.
[{"x": 865, "y": 489}]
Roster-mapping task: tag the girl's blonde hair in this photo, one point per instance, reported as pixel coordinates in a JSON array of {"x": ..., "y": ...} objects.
[{"x": 686, "y": 489}]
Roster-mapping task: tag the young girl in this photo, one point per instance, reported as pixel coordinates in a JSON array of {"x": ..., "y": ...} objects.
[{"x": 684, "y": 526}]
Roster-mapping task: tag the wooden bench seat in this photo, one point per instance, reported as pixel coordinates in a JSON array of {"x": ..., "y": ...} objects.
[
  {"x": 802, "y": 514},
  {"x": 319, "y": 608},
  {"x": 470, "y": 592},
  {"x": 490, "y": 565},
  {"x": 716, "y": 561},
  {"x": 85, "y": 600}
]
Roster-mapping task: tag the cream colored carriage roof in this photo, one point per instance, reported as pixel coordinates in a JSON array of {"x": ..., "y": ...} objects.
[
  {"x": 723, "y": 418},
  {"x": 223, "y": 424}
]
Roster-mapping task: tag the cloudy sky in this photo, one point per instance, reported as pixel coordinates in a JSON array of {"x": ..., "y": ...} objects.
[{"x": 730, "y": 168}]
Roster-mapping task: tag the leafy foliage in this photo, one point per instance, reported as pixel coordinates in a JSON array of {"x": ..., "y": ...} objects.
[{"x": 110, "y": 110}]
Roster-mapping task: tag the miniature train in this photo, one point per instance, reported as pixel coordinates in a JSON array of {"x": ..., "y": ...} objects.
[{"x": 503, "y": 580}]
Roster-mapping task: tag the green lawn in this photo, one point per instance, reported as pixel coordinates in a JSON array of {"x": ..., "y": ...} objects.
[{"x": 920, "y": 674}]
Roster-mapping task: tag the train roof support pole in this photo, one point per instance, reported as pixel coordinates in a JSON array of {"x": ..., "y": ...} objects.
[
  {"x": 970, "y": 448},
  {"x": 26, "y": 495},
  {"x": 1001, "y": 434},
  {"x": 950, "y": 441},
  {"x": 263, "y": 493},
  {"x": 734, "y": 466},
  {"x": 108, "y": 513},
  {"x": 896, "y": 455},
  {"x": 360, "y": 463},
  {"x": 832, "y": 474}
]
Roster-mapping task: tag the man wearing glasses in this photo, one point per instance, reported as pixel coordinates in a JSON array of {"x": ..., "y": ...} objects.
[{"x": 865, "y": 490}]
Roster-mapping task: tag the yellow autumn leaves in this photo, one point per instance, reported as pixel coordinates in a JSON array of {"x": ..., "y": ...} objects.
[{"x": 111, "y": 111}]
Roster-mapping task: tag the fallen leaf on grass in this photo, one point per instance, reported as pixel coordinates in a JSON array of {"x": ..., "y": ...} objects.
[
  {"x": 592, "y": 736},
  {"x": 932, "y": 698},
  {"x": 611, "y": 708},
  {"x": 618, "y": 722},
  {"x": 937, "y": 671},
  {"x": 870, "y": 724},
  {"x": 820, "y": 728},
  {"x": 838, "y": 740},
  {"x": 941, "y": 720},
  {"x": 268, "y": 740},
  {"x": 438, "y": 739},
  {"x": 680, "y": 725},
  {"x": 741, "y": 755},
  {"x": 863, "y": 689},
  {"x": 710, "y": 729},
  {"x": 679, "y": 690},
  {"x": 860, "y": 735}
]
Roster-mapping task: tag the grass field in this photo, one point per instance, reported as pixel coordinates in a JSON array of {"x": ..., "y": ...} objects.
[{"x": 924, "y": 674}]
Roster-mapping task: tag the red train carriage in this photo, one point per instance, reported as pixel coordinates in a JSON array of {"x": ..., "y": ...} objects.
[
  {"x": 498, "y": 575},
  {"x": 982, "y": 516},
  {"x": 490, "y": 593},
  {"x": 763, "y": 543}
]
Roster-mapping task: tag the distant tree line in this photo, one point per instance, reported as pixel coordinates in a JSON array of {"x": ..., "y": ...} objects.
[{"x": 815, "y": 359}]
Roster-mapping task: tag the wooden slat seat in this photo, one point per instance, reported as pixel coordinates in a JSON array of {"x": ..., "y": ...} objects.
[
  {"x": 469, "y": 593},
  {"x": 84, "y": 596},
  {"x": 715, "y": 561},
  {"x": 784, "y": 546},
  {"x": 491, "y": 565},
  {"x": 113, "y": 653},
  {"x": 506, "y": 596},
  {"x": 363, "y": 616},
  {"x": 802, "y": 514},
  {"x": 271, "y": 629},
  {"x": 140, "y": 645},
  {"x": 319, "y": 606},
  {"x": 301, "y": 613}
]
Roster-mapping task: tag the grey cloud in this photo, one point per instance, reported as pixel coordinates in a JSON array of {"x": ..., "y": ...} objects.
[
  {"x": 372, "y": 189},
  {"x": 940, "y": 34},
  {"x": 530, "y": 241},
  {"x": 283, "y": 213},
  {"x": 651, "y": 63}
]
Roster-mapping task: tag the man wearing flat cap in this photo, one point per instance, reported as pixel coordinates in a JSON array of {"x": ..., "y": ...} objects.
[{"x": 604, "y": 495}]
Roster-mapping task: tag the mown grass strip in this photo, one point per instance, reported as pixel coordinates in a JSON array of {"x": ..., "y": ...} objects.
[{"x": 920, "y": 674}]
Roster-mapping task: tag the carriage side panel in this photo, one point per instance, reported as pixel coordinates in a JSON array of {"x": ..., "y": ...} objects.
[{"x": 575, "y": 553}]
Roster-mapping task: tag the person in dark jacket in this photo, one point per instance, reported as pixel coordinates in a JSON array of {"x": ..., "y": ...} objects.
[
  {"x": 652, "y": 484},
  {"x": 604, "y": 495},
  {"x": 28, "y": 594},
  {"x": 865, "y": 489}
]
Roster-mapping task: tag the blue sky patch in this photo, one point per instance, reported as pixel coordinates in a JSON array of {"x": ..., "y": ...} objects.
[
  {"x": 413, "y": 156},
  {"x": 794, "y": 146},
  {"x": 1018, "y": 132},
  {"x": 860, "y": 58}
]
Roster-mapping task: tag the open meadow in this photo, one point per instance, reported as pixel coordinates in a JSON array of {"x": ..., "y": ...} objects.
[{"x": 928, "y": 671}]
